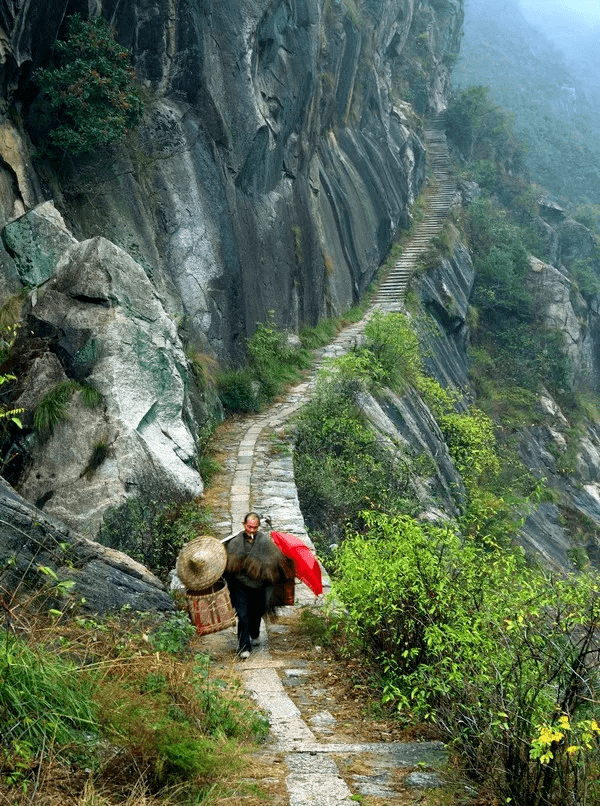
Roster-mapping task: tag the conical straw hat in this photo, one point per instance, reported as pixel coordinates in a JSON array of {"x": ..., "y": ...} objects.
[{"x": 201, "y": 563}]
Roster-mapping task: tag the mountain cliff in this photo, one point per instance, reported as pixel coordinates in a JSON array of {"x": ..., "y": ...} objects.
[{"x": 279, "y": 155}]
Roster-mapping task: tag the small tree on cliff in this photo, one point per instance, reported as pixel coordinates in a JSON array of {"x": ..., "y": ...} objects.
[{"x": 91, "y": 93}]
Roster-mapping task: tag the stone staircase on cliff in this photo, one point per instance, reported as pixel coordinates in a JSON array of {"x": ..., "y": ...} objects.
[{"x": 390, "y": 295}]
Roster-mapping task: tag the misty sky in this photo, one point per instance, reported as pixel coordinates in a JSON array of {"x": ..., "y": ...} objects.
[{"x": 587, "y": 8}]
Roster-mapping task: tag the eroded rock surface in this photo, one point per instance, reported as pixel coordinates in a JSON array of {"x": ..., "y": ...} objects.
[
  {"x": 100, "y": 323},
  {"x": 105, "y": 579}
]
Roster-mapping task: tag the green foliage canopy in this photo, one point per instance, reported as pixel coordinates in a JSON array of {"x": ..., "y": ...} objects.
[
  {"x": 495, "y": 654},
  {"x": 91, "y": 94},
  {"x": 482, "y": 130}
]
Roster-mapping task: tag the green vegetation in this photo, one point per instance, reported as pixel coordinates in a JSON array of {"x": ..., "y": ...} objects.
[
  {"x": 124, "y": 699},
  {"x": 483, "y": 133},
  {"x": 43, "y": 701},
  {"x": 452, "y": 628},
  {"x": 90, "y": 99},
  {"x": 451, "y": 624},
  {"x": 528, "y": 77},
  {"x": 515, "y": 353},
  {"x": 500, "y": 658},
  {"x": 56, "y": 403},
  {"x": 153, "y": 531},
  {"x": 272, "y": 364},
  {"x": 340, "y": 466}
]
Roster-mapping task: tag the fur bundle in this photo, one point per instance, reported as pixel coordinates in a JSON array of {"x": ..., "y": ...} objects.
[{"x": 265, "y": 562}]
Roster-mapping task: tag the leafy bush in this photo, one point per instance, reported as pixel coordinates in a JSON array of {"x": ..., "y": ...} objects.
[
  {"x": 497, "y": 656},
  {"x": 501, "y": 263},
  {"x": 238, "y": 390},
  {"x": 91, "y": 94},
  {"x": 274, "y": 362},
  {"x": 588, "y": 281},
  {"x": 339, "y": 466},
  {"x": 482, "y": 131},
  {"x": 173, "y": 634},
  {"x": 395, "y": 348},
  {"x": 153, "y": 532},
  {"x": 271, "y": 365},
  {"x": 472, "y": 445}
]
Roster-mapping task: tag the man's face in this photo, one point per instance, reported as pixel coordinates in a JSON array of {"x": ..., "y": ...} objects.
[{"x": 251, "y": 527}]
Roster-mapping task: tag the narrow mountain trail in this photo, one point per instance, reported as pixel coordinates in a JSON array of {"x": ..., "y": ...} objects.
[{"x": 323, "y": 748}]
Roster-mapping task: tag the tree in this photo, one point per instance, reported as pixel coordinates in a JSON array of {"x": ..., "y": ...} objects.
[{"x": 91, "y": 94}]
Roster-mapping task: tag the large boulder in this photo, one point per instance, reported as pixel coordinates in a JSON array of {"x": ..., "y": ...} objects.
[
  {"x": 36, "y": 241},
  {"x": 37, "y": 553},
  {"x": 99, "y": 323}
]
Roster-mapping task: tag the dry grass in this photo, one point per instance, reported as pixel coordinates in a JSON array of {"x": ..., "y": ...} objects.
[{"x": 142, "y": 696}]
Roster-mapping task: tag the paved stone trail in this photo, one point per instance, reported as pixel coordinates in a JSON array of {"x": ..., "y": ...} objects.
[{"x": 258, "y": 475}]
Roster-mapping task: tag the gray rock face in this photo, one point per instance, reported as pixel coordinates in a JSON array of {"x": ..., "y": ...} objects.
[
  {"x": 423, "y": 780},
  {"x": 564, "y": 533},
  {"x": 444, "y": 293},
  {"x": 102, "y": 324},
  {"x": 553, "y": 292},
  {"x": 278, "y": 159},
  {"x": 36, "y": 241},
  {"x": 105, "y": 579},
  {"x": 406, "y": 426}
]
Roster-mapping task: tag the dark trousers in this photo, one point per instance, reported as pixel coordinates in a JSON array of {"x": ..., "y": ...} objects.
[{"x": 250, "y": 605}]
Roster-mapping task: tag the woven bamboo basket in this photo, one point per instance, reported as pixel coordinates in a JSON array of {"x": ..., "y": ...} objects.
[
  {"x": 289, "y": 591},
  {"x": 211, "y": 609}
]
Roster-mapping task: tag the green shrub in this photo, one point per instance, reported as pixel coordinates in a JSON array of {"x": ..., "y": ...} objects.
[
  {"x": 153, "y": 532},
  {"x": 492, "y": 653},
  {"x": 274, "y": 362},
  {"x": 395, "y": 347},
  {"x": 271, "y": 365},
  {"x": 91, "y": 94},
  {"x": 589, "y": 216},
  {"x": 501, "y": 263},
  {"x": 340, "y": 467},
  {"x": 238, "y": 390},
  {"x": 93, "y": 697},
  {"x": 588, "y": 281},
  {"x": 472, "y": 445},
  {"x": 173, "y": 634},
  {"x": 482, "y": 131}
]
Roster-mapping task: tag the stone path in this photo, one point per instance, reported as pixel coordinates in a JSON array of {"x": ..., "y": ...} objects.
[
  {"x": 442, "y": 190},
  {"x": 259, "y": 475}
]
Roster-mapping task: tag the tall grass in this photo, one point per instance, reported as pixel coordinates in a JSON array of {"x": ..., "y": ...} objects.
[{"x": 115, "y": 706}]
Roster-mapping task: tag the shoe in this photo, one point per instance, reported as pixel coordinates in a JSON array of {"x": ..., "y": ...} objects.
[{"x": 245, "y": 654}]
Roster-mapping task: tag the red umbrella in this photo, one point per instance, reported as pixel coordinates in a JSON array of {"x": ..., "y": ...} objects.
[{"x": 308, "y": 569}]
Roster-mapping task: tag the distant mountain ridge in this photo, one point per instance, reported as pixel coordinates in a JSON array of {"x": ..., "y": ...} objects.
[
  {"x": 575, "y": 35},
  {"x": 529, "y": 77}
]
